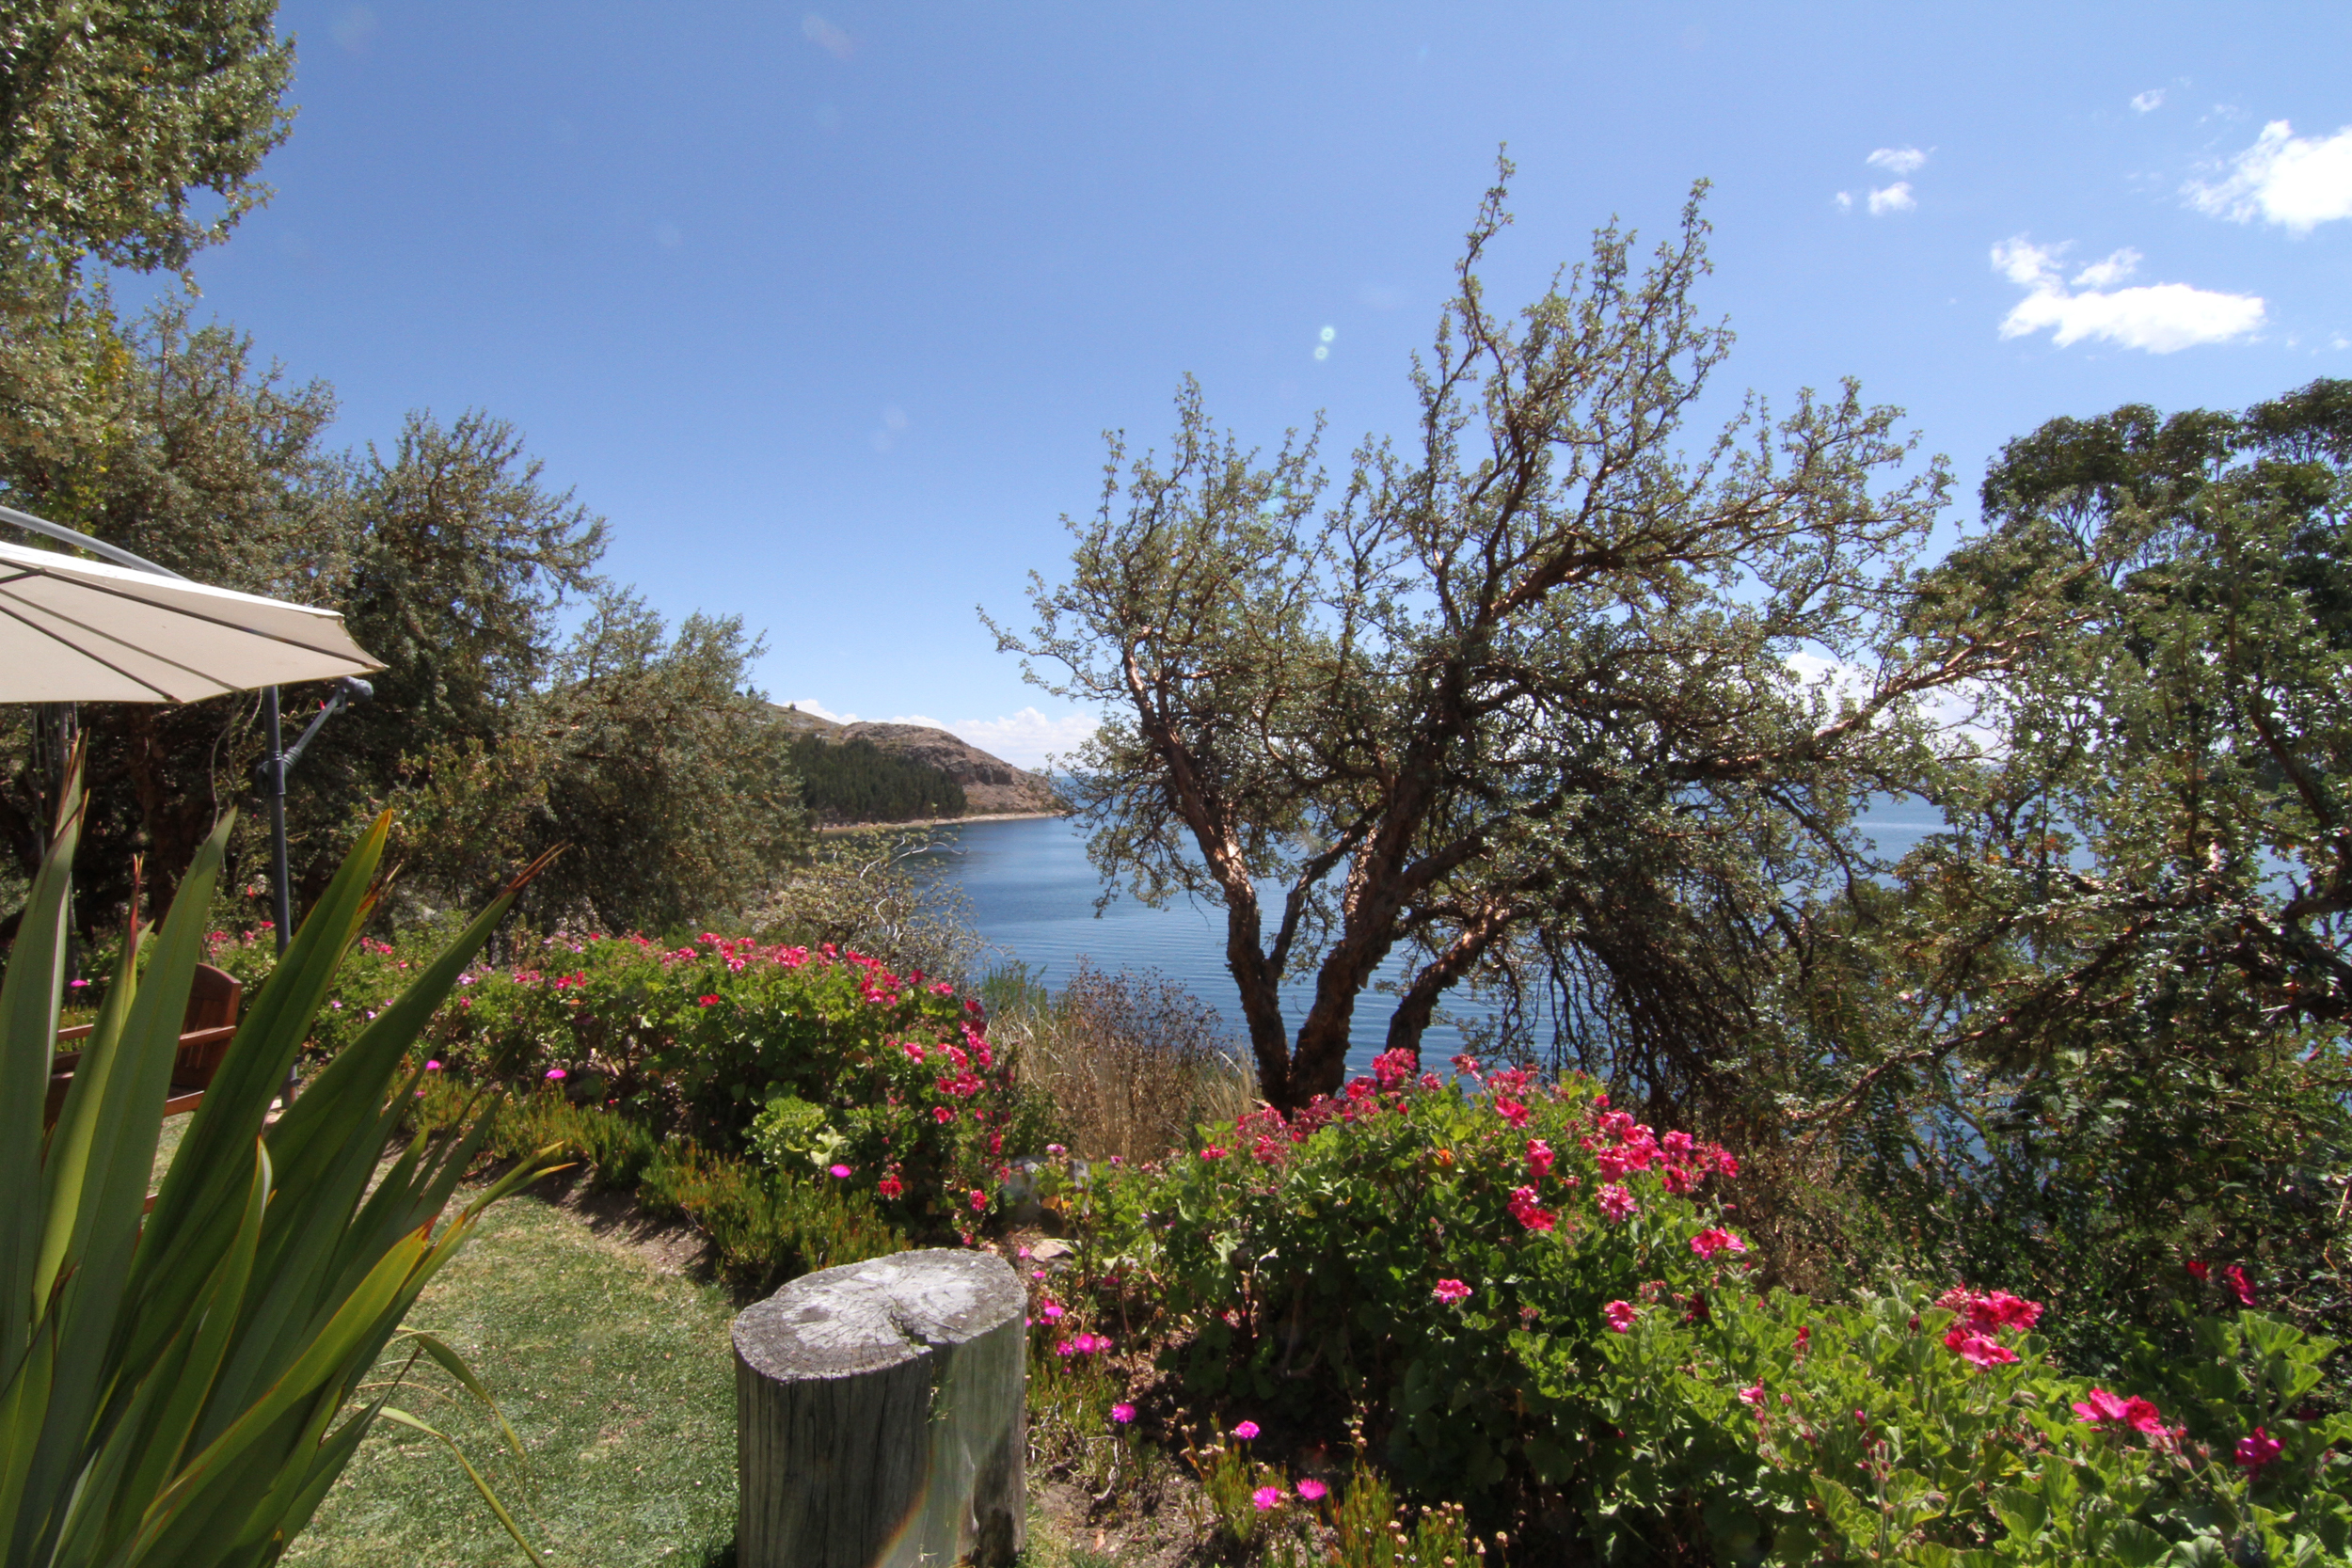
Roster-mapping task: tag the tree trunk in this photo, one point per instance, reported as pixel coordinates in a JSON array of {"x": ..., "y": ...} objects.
[{"x": 879, "y": 1418}]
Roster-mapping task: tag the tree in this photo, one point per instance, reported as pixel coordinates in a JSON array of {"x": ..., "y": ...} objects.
[
  {"x": 114, "y": 114},
  {"x": 1528, "y": 681},
  {"x": 2100, "y": 1026},
  {"x": 672, "y": 779}
]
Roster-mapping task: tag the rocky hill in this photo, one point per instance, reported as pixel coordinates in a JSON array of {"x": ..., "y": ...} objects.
[{"x": 991, "y": 784}]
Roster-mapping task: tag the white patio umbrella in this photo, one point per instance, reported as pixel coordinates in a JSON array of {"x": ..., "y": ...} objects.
[
  {"x": 89, "y": 631},
  {"x": 85, "y": 631}
]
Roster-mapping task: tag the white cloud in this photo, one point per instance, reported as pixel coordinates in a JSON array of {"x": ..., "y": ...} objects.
[
  {"x": 2149, "y": 101},
  {"x": 1897, "y": 161},
  {"x": 2107, "y": 274},
  {"x": 1895, "y": 197},
  {"x": 2296, "y": 181},
  {"x": 1844, "y": 201},
  {"x": 1025, "y": 738},
  {"x": 2160, "y": 317}
]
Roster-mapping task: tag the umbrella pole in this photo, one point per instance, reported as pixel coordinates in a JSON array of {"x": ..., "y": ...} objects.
[{"x": 281, "y": 894}]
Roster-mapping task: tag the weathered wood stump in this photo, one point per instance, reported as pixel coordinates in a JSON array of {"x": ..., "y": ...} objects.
[{"x": 878, "y": 1415}]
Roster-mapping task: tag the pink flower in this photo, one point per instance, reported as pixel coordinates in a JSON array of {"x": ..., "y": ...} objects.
[
  {"x": 1715, "y": 1238},
  {"x": 1978, "y": 1349},
  {"x": 557, "y": 1072},
  {"x": 1524, "y": 1210},
  {"x": 1753, "y": 1395},
  {"x": 1312, "y": 1490},
  {"x": 1539, "y": 1157},
  {"x": 2241, "y": 1285},
  {"x": 431, "y": 1067},
  {"x": 840, "y": 1170},
  {"x": 980, "y": 1200},
  {"x": 1051, "y": 1310},
  {"x": 943, "y": 1113},
  {"x": 1616, "y": 1201},
  {"x": 1620, "y": 1315},
  {"x": 1245, "y": 1431},
  {"x": 705, "y": 1000},
  {"x": 1267, "y": 1497},
  {"x": 2142, "y": 1417},
  {"x": 1452, "y": 1291},
  {"x": 1123, "y": 1413},
  {"x": 2099, "y": 1407},
  {"x": 1213, "y": 1152},
  {"x": 2256, "y": 1449}
]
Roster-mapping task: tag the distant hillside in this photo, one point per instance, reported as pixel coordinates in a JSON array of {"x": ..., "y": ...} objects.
[{"x": 893, "y": 782}]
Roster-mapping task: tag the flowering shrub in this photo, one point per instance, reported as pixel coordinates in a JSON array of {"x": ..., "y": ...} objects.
[
  {"x": 891, "y": 1075},
  {"x": 1398, "y": 1249},
  {"x": 1528, "y": 1295}
]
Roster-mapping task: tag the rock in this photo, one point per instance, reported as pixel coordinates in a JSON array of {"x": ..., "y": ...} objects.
[{"x": 879, "y": 1418}]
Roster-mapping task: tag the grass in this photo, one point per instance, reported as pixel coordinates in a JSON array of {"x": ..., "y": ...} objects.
[{"x": 618, "y": 1379}]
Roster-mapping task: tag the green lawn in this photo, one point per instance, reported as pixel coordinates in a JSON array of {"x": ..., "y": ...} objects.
[{"x": 617, "y": 1377}]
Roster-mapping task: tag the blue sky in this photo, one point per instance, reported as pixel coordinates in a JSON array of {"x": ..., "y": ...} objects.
[{"x": 826, "y": 309}]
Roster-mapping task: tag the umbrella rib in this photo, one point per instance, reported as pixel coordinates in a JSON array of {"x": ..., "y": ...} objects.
[
  {"x": 97, "y": 658},
  {"x": 171, "y": 608}
]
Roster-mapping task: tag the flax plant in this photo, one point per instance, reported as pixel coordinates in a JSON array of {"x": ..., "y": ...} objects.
[{"x": 180, "y": 1378}]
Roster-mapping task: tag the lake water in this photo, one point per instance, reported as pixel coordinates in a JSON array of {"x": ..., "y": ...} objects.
[{"x": 1032, "y": 893}]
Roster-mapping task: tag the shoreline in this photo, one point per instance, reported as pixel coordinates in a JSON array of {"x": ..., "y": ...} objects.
[{"x": 940, "y": 821}]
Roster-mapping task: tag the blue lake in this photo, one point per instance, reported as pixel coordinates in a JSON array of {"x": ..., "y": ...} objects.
[{"x": 1032, "y": 893}]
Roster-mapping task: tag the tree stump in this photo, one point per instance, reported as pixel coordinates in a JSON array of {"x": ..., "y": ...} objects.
[{"x": 878, "y": 1415}]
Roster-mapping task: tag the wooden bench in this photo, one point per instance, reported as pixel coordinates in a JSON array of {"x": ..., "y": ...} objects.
[{"x": 205, "y": 1031}]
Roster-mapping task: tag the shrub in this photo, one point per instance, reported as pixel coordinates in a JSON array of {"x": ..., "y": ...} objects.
[
  {"x": 764, "y": 1226},
  {"x": 1530, "y": 1300},
  {"x": 1130, "y": 1062},
  {"x": 695, "y": 1040}
]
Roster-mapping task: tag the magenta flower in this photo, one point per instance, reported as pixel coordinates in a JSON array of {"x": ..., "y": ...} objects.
[
  {"x": 1267, "y": 1498},
  {"x": 1616, "y": 1201},
  {"x": 840, "y": 1170},
  {"x": 1452, "y": 1291},
  {"x": 979, "y": 1200},
  {"x": 431, "y": 1067},
  {"x": 557, "y": 1072},
  {"x": 2099, "y": 1407},
  {"x": 2256, "y": 1449},
  {"x": 1753, "y": 1395},
  {"x": 2240, "y": 1283},
  {"x": 1978, "y": 1349},
  {"x": 1620, "y": 1315},
  {"x": 1715, "y": 1238},
  {"x": 1123, "y": 1413},
  {"x": 1245, "y": 1431},
  {"x": 1312, "y": 1490},
  {"x": 1539, "y": 1157}
]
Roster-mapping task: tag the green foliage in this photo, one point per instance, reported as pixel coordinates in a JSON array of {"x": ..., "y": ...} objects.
[
  {"x": 183, "y": 1385},
  {"x": 856, "y": 780},
  {"x": 2098, "y": 1031},
  {"x": 112, "y": 116}
]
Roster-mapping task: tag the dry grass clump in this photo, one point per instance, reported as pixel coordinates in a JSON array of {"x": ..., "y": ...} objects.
[{"x": 1132, "y": 1062}]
